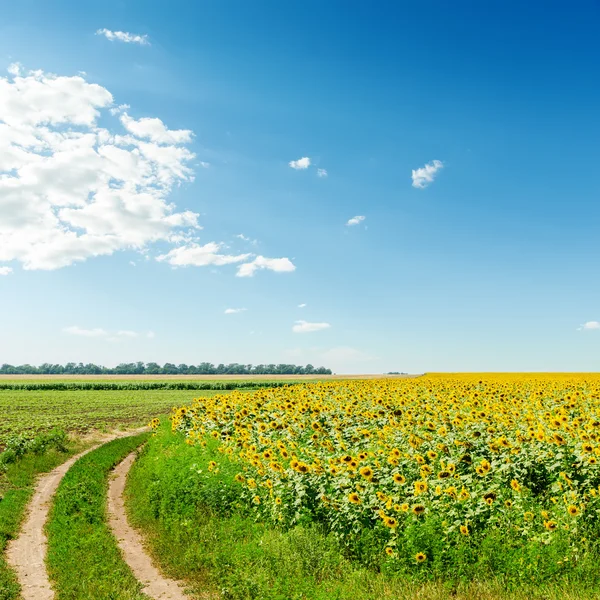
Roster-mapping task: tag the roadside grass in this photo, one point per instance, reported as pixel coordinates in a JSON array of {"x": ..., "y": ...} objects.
[
  {"x": 84, "y": 561},
  {"x": 188, "y": 510},
  {"x": 17, "y": 485}
]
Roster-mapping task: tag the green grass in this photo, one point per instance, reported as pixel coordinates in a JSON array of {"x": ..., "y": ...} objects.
[
  {"x": 83, "y": 558},
  {"x": 30, "y": 412},
  {"x": 199, "y": 532},
  {"x": 17, "y": 485}
]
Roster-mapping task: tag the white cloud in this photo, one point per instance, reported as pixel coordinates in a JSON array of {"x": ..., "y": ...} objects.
[
  {"x": 97, "y": 333},
  {"x": 303, "y": 305},
  {"x": 422, "y": 177},
  {"x": 321, "y": 172},
  {"x": 590, "y": 325},
  {"x": 5, "y": 270},
  {"x": 204, "y": 164},
  {"x": 71, "y": 190},
  {"x": 245, "y": 238},
  {"x": 301, "y": 163},
  {"x": 234, "y": 311},
  {"x": 355, "y": 220},
  {"x": 279, "y": 265},
  {"x": 197, "y": 255},
  {"x": 156, "y": 131},
  {"x": 306, "y": 327},
  {"x": 127, "y": 333},
  {"x": 124, "y": 36},
  {"x": 151, "y": 335},
  {"x": 115, "y": 110}
]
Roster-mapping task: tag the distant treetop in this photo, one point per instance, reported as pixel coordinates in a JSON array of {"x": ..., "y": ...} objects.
[{"x": 140, "y": 368}]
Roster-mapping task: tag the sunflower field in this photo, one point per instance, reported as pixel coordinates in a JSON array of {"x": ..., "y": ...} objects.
[{"x": 430, "y": 474}]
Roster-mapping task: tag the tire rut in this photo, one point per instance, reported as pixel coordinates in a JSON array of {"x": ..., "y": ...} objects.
[
  {"x": 26, "y": 554},
  {"x": 156, "y": 585}
]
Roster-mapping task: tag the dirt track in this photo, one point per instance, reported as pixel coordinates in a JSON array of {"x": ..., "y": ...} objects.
[
  {"x": 130, "y": 542},
  {"x": 27, "y": 553}
]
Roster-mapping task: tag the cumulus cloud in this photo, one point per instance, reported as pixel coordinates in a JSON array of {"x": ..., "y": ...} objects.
[
  {"x": 422, "y": 177},
  {"x": 303, "y": 305},
  {"x": 156, "y": 131},
  {"x": 245, "y": 238},
  {"x": 300, "y": 164},
  {"x": 70, "y": 189},
  {"x": 197, "y": 255},
  {"x": 127, "y": 333},
  {"x": 306, "y": 327},
  {"x": 100, "y": 333},
  {"x": 590, "y": 325},
  {"x": 124, "y": 36},
  {"x": 5, "y": 270},
  {"x": 279, "y": 265},
  {"x": 234, "y": 311},
  {"x": 355, "y": 220},
  {"x": 321, "y": 172},
  {"x": 95, "y": 333}
]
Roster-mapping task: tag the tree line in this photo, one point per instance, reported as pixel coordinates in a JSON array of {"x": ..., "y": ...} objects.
[{"x": 152, "y": 368}]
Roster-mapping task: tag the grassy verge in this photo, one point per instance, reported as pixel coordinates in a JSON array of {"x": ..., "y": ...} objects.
[
  {"x": 83, "y": 559},
  {"x": 17, "y": 485},
  {"x": 187, "y": 507}
]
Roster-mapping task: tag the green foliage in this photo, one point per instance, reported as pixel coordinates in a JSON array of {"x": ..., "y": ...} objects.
[
  {"x": 189, "y": 505},
  {"x": 24, "y": 414},
  {"x": 141, "y": 385},
  {"x": 18, "y": 445},
  {"x": 140, "y": 368},
  {"x": 83, "y": 559}
]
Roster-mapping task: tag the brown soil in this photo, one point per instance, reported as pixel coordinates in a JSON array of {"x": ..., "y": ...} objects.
[{"x": 130, "y": 542}]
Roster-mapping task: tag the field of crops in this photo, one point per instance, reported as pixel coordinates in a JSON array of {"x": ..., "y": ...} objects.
[
  {"x": 437, "y": 476},
  {"x": 27, "y": 412}
]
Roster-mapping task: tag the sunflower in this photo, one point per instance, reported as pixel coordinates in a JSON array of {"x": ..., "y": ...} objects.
[
  {"x": 515, "y": 485},
  {"x": 354, "y": 498},
  {"x": 573, "y": 510},
  {"x": 464, "y": 529},
  {"x": 420, "y": 487},
  {"x": 550, "y": 525},
  {"x": 418, "y": 509},
  {"x": 528, "y": 516},
  {"x": 399, "y": 479},
  {"x": 389, "y": 551},
  {"x": 390, "y": 522},
  {"x": 420, "y": 557},
  {"x": 367, "y": 473}
]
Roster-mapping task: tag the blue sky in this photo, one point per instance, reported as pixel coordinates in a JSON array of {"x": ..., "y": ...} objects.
[{"x": 119, "y": 222}]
